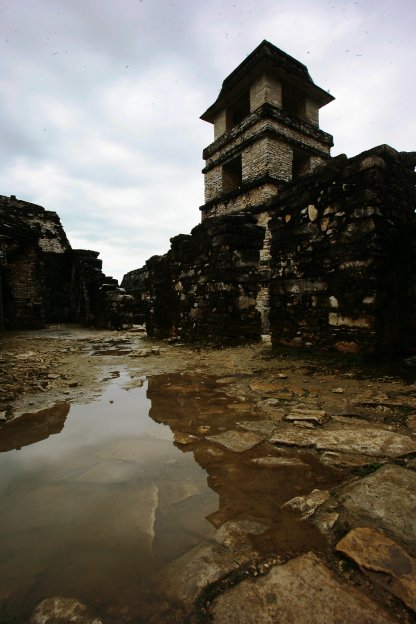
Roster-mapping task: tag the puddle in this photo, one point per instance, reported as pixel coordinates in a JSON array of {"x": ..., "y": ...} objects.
[{"x": 97, "y": 498}]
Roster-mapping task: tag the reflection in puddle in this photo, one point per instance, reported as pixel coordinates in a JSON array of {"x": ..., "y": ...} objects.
[
  {"x": 91, "y": 511},
  {"x": 100, "y": 497},
  {"x": 246, "y": 490}
]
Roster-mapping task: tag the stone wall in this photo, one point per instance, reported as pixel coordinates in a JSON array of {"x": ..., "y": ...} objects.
[
  {"x": 343, "y": 255},
  {"x": 42, "y": 280},
  {"x": 253, "y": 196},
  {"x": 266, "y": 89},
  {"x": 206, "y": 286}
]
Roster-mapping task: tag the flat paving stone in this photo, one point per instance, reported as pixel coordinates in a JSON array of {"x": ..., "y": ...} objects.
[
  {"x": 384, "y": 500},
  {"x": 303, "y": 590},
  {"x": 374, "y": 551},
  {"x": 278, "y": 462},
  {"x": 237, "y": 441},
  {"x": 186, "y": 577},
  {"x": 299, "y": 414},
  {"x": 349, "y": 439},
  {"x": 264, "y": 428}
]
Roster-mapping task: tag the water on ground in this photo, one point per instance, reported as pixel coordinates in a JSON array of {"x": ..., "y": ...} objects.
[{"x": 96, "y": 499}]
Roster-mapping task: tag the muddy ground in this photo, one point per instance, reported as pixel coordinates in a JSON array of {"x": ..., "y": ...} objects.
[{"x": 352, "y": 426}]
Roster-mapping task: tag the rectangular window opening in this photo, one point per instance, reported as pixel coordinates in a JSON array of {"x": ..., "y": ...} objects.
[
  {"x": 238, "y": 111},
  {"x": 232, "y": 175},
  {"x": 300, "y": 164},
  {"x": 293, "y": 102}
]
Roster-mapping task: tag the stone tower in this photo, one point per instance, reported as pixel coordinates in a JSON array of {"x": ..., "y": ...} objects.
[{"x": 266, "y": 131}]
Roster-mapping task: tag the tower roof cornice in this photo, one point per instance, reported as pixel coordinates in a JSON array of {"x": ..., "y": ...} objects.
[{"x": 267, "y": 58}]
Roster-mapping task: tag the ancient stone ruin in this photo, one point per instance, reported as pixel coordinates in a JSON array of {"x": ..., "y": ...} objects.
[
  {"x": 314, "y": 250},
  {"x": 43, "y": 280},
  {"x": 318, "y": 251}
]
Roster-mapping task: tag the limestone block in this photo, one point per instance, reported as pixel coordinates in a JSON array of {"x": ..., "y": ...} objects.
[
  {"x": 373, "y": 551},
  {"x": 303, "y": 590}
]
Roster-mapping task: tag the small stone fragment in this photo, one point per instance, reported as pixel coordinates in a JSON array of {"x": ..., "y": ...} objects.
[
  {"x": 325, "y": 521},
  {"x": 277, "y": 462},
  {"x": 312, "y": 212},
  {"x": 203, "y": 429},
  {"x": 183, "y": 438},
  {"x": 338, "y": 391},
  {"x": 308, "y": 504},
  {"x": 233, "y": 534},
  {"x": 317, "y": 417},
  {"x": 237, "y": 441},
  {"x": 58, "y": 610},
  {"x": 347, "y": 460}
]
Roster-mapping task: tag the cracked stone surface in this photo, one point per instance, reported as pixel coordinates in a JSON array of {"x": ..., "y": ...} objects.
[
  {"x": 374, "y": 551},
  {"x": 385, "y": 499},
  {"x": 303, "y": 590},
  {"x": 237, "y": 441},
  {"x": 350, "y": 439}
]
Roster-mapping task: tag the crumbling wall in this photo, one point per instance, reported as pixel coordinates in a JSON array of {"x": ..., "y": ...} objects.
[
  {"x": 343, "y": 255},
  {"x": 205, "y": 287},
  {"x": 135, "y": 283},
  {"x": 96, "y": 299},
  {"x": 42, "y": 280},
  {"x": 28, "y": 250}
]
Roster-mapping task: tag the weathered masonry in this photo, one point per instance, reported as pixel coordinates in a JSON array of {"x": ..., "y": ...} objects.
[
  {"x": 343, "y": 256},
  {"x": 266, "y": 131},
  {"x": 43, "y": 280},
  {"x": 335, "y": 266},
  {"x": 206, "y": 285}
]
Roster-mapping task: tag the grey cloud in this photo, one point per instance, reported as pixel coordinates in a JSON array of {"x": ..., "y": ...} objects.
[{"x": 135, "y": 76}]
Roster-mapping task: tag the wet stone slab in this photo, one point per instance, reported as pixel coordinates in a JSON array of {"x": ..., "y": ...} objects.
[
  {"x": 303, "y": 590},
  {"x": 304, "y": 414},
  {"x": 237, "y": 441},
  {"x": 184, "y": 579},
  {"x": 385, "y": 500},
  {"x": 264, "y": 428},
  {"x": 60, "y": 610},
  {"x": 278, "y": 462},
  {"x": 373, "y": 441},
  {"x": 394, "y": 568}
]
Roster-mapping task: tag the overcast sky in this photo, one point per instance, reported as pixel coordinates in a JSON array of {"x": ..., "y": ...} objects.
[{"x": 100, "y": 101}]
